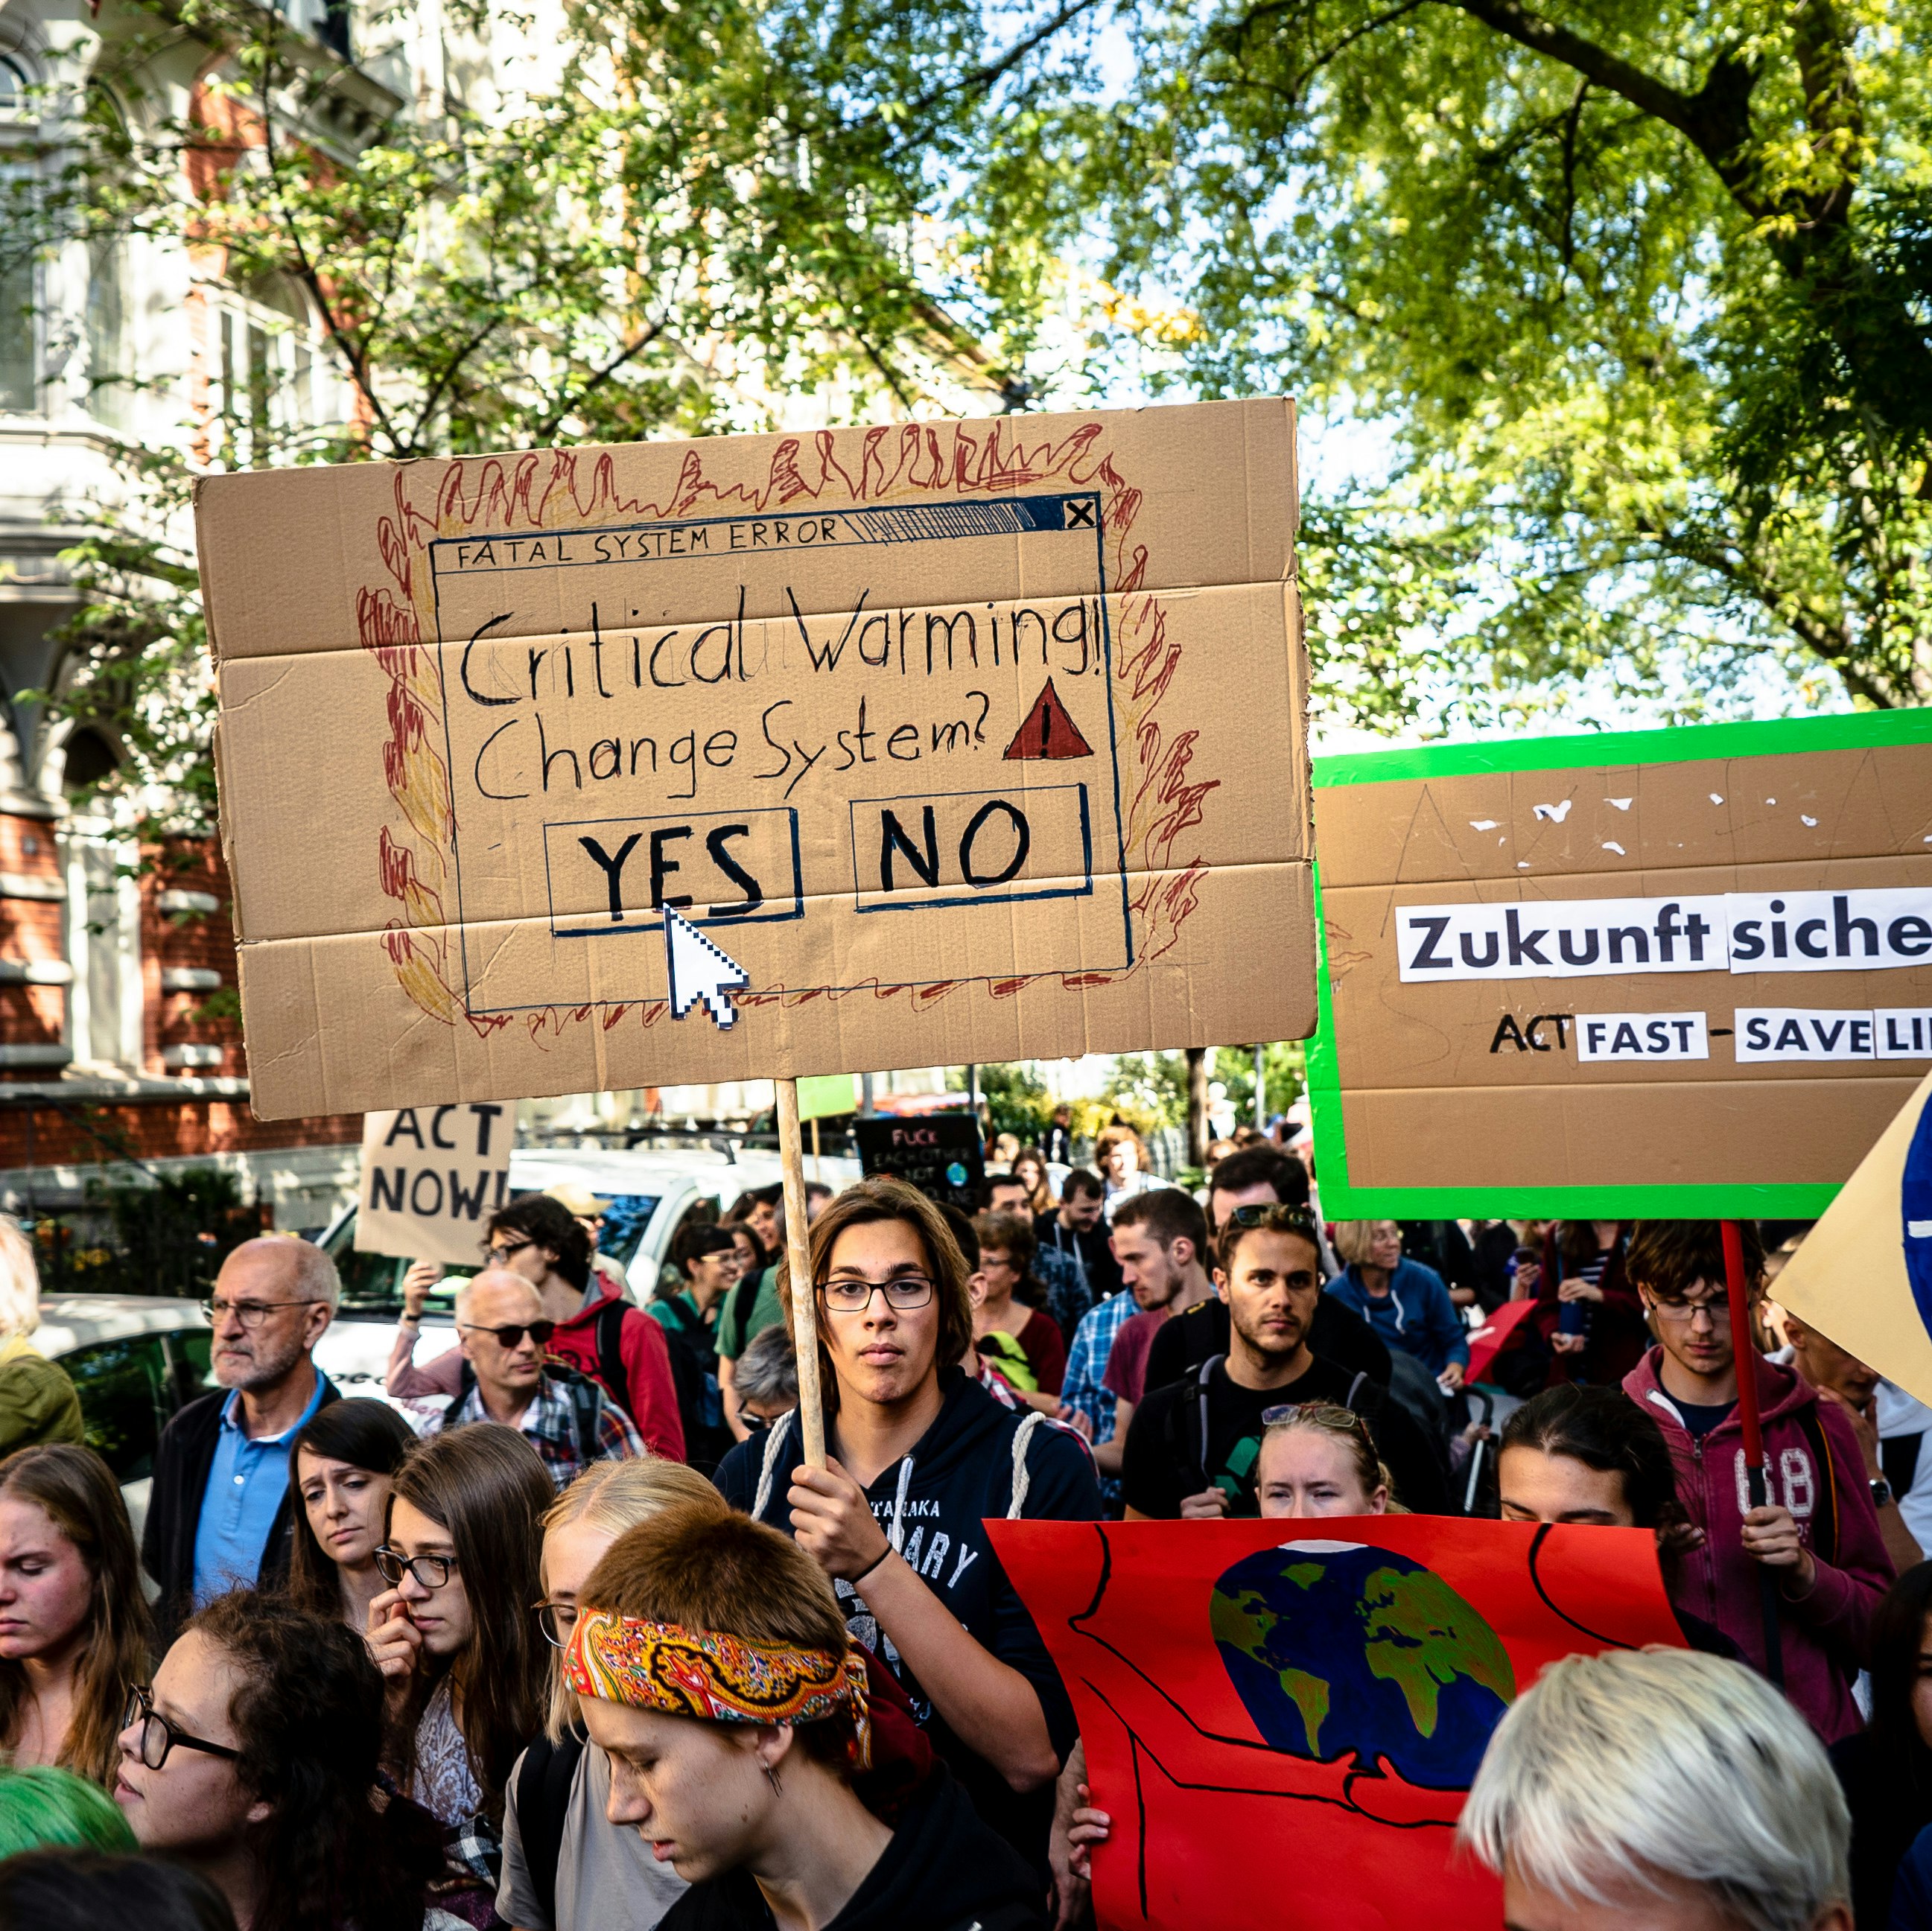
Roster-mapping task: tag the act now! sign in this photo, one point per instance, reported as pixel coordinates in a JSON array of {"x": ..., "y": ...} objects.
[{"x": 432, "y": 1176}]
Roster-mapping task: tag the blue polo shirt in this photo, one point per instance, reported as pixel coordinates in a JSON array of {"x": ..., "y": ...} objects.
[{"x": 246, "y": 1483}]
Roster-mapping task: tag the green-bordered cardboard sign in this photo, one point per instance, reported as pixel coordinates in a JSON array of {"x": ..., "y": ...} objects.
[{"x": 1674, "y": 973}]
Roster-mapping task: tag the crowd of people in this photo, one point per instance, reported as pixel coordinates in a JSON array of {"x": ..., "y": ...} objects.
[{"x": 566, "y": 1635}]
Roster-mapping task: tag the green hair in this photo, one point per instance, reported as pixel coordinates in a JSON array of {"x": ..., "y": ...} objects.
[{"x": 44, "y": 1806}]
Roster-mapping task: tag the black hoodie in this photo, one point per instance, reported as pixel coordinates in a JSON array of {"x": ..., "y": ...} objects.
[
  {"x": 944, "y": 1870},
  {"x": 933, "y": 1503}
]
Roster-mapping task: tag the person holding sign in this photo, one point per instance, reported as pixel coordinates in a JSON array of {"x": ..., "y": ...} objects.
[
  {"x": 918, "y": 1457},
  {"x": 1192, "y": 1447},
  {"x": 1818, "y": 1534}
]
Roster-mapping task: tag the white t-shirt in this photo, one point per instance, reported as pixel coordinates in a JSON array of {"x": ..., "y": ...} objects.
[{"x": 606, "y": 1879}]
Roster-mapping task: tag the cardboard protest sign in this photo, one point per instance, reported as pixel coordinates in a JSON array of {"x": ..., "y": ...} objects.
[
  {"x": 939, "y": 1153},
  {"x": 945, "y": 741},
  {"x": 1680, "y": 973},
  {"x": 1283, "y": 1718},
  {"x": 432, "y": 1176},
  {"x": 1863, "y": 1274}
]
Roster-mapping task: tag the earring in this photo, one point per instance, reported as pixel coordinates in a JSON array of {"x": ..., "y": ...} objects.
[{"x": 777, "y": 1788}]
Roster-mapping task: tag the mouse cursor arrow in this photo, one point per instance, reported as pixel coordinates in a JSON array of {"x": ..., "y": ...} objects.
[{"x": 700, "y": 970}]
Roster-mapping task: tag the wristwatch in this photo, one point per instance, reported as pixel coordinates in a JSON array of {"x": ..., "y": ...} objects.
[{"x": 1881, "y": 1491}]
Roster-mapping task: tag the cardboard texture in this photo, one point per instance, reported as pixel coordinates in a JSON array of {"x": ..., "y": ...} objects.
[
  {"x": 965, "y": 740},
  {"x": 1864, "y": 1274},
  {"x": 1282, "y": 1718},
  {"x": 1682, "y": 972},
  {"x": 432, "y": 1176}
]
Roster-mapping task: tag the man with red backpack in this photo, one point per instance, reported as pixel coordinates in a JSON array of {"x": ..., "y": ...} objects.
[
  {"x": 597, "y": 1332},
  {"x": 1817, "y": 1533}
]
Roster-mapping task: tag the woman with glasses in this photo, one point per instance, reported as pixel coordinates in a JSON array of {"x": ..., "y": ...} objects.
[
  {"x": 920, "y": 1456},
  {"x": 565, "y": 1866},
  {"x": 253, "y": 1757},
  {"x": 73, "y": 1622},
  {"x": 343, "y": 1464},
  {"x": 454, "y": 1635}
]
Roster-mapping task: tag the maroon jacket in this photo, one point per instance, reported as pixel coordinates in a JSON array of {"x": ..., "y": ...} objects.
[{"x": 1824, "y": 1638}]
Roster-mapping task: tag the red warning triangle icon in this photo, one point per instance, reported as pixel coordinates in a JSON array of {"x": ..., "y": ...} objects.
[{"x": 1049, "y": 732}]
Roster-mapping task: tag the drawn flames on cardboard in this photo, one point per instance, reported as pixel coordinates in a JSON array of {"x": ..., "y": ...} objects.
[{"x": 1163, "y": 799}]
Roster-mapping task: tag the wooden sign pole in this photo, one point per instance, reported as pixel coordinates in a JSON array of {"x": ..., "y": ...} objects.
[{"x": 804, "y": 1299}]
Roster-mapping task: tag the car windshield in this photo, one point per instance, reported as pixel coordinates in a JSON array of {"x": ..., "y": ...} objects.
[{"x": 372, "y": 1283}]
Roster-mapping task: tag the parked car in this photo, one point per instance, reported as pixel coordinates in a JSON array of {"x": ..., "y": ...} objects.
[
  {"x": 652, "y": 1195},
  {"x": 134, "y": 1359}
]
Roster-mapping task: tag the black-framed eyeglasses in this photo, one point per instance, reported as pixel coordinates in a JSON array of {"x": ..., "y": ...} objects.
[
  {"x": 508, "y": 1250},
  {"x": 556, "y": 1621},
  {"x": 512, "y": 1333},
  {"x": 430, "y": 1572},
  {"x": 159, "y": 1736},
  {"x": 251, "y": 1313},
  {"x": 903, "y": 1294}
]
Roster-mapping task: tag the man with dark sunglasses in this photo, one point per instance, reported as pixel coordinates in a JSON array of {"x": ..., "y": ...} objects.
[{"x": 569, "y": 1420}]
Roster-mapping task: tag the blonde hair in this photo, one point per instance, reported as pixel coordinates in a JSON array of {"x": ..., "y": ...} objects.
[
  {"x": 1355, "y": 1240},
  {"x": 1351, "y": 1431},
  {"x": 1616, "y": 1770},
  {"x": 19, "y": 1280},
  {"x": 617, "y": 1496}
]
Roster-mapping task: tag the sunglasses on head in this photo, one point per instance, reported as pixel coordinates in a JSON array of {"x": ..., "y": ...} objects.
[
  {"x": 1275, "y": 1218},
  {"x": 512, "y": 1334}
]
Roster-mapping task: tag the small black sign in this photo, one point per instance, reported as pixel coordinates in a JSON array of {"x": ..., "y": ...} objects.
[{"x": 938, "y": 1152}]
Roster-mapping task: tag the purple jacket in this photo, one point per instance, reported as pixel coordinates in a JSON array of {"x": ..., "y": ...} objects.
[{"x": 1824, "y": 1637}]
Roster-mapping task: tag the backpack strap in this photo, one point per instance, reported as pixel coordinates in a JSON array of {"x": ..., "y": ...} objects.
[
  {"x": 611, "y": 1369},
  {"x": 1354, "y": 1389},
  {"x": 586, "y": 1403},
  {"x": 1022, "y": 1475},
  {"x": 1820, "y": 1444},
  {"x": 542, "y": 1794},
  {"x": 1207, "y": 1368},
  {"x": 768, "y": 1471}
]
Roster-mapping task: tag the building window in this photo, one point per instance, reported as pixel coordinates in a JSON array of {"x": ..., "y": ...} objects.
[
  {"x": 271, "y": 380},
  {"x": 15, "y": 90},
  {"x": 108, "y": 393},
  {"x": 20, "y": 385}
]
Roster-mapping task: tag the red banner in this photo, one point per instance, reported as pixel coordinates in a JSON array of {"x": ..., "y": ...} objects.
[
  {"x": 1487, "y": 1343},
  {"x": 1282, "y": 1718}
]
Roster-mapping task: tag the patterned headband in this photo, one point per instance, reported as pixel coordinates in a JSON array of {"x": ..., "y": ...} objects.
[{"x": 719, "y": 1678}]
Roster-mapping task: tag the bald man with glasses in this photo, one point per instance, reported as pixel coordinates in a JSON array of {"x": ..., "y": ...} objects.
[{"x": 219, "y": 1515}]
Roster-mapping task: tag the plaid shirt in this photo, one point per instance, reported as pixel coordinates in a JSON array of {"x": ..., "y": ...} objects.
[
  {"x": 1087, "y": 1363},
  {"x": 550, "y": 1423}
]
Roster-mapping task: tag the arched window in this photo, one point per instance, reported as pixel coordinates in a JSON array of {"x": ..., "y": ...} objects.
[{"x": 15, "y": 98}]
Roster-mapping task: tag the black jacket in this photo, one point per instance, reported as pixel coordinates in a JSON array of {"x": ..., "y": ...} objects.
[
  {"x": 943, "y": 1870},
  {"x": 969, "y": 1465},
  {"x": 182, "y": 1460},
  {"x": 1200, "y": 1333}
]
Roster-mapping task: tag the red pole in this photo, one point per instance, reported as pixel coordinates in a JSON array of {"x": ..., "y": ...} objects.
[{"x": 1737, "y": 1296}]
